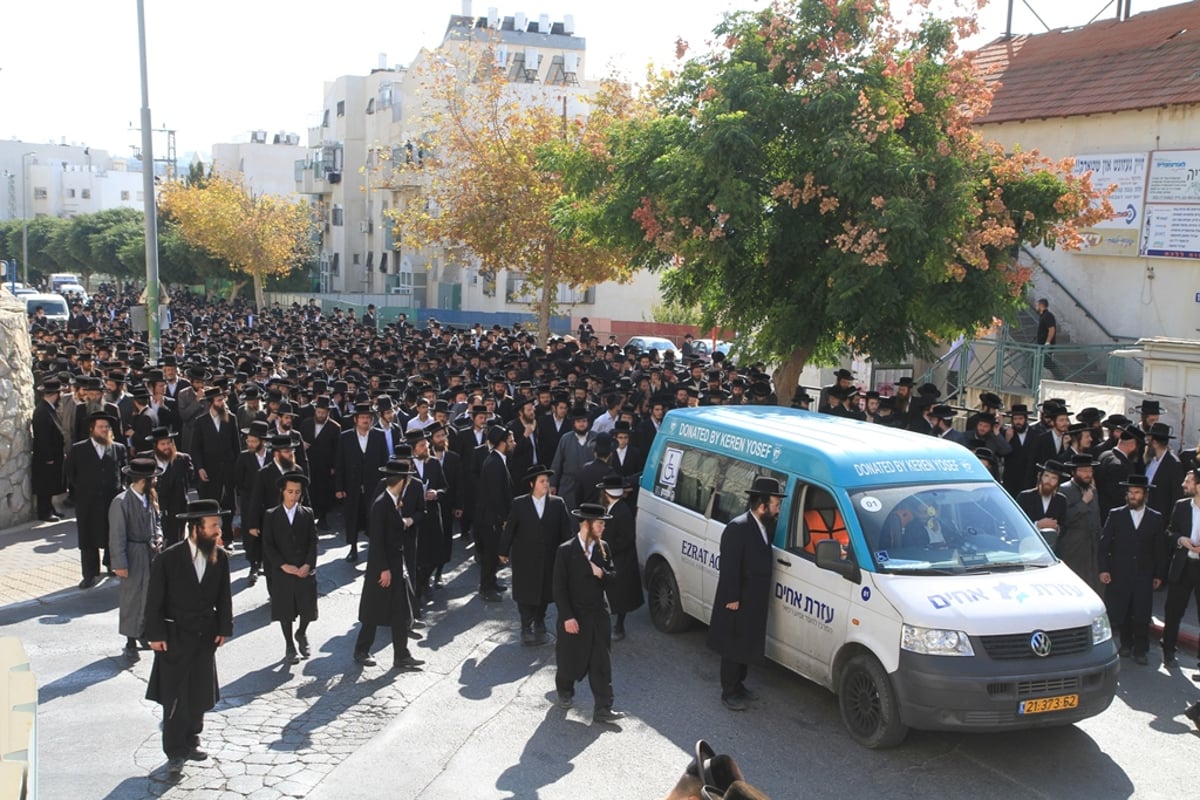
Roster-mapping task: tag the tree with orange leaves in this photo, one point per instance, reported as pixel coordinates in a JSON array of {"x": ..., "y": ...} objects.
[
  {"x": 257, "y": 235},
  {"x": 815, "y": 183},
  {"x": 494, "y": 184}
]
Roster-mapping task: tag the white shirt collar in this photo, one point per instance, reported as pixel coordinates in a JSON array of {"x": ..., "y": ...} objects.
[
  {"x": 587, "y": 547},
  {"x": 199, "y": 562},
  {"x": 539, "y": 503},
  {"x": 291, "y": 513}
]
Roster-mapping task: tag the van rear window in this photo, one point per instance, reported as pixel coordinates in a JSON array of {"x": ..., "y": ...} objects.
[{"x": 51, "y": 307}]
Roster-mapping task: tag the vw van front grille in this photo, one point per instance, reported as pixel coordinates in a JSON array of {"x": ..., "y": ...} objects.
[{"x": 1065, "y": 642}]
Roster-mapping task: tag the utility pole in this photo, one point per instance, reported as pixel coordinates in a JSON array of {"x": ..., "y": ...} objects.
[{"x": 154, "y": 331}]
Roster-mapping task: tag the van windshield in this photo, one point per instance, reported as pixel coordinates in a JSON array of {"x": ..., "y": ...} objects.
[
  {"x": 53, "y": 308},
  {"x": 948, "y": 528}
]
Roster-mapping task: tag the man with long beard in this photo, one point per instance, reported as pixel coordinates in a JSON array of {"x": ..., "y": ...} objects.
[
  {"x": 1081, "y": 527},
  {"x": 176, "y": 478},
  {"x": 189, "y": 614},
  {"x": 94, "y": 470},
  {"x": 320, "y": 434}
]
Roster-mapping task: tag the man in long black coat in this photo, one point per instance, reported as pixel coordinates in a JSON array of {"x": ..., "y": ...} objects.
[
  {"x": 94, "y": 470},
  {"x": 582, "y": 568},
  {"x": 386, "y": 599},
  {"x": 431, "y": 539},
  {"x": 1044, "y": 504},
  {"x": 451, "y": 502},
  {"x": 1115, "y": 466},
  {"x": 189, "y": 614},
  {"x": 215, "y": 446},
  {"x": 738, "y": 626},
  {"x": 537, "y": 524},
  {"x": 321, "y": 435},
  {"x": 1133, "y": 563},
  {"x": 620, "y": 534},
  {"x": 494, "y": 500},
  {"x": 49, "y": 449},
  {"x": 362, "y": 450},
  {"x": 1164, "y": 469},
  {"x": 289, "y": 541},
  {"x": 245, "y": 478},
  {"x": 266, "y": 495},
  {"x": 178, "y": 476},
  {"x": 1018, "y": 464}
]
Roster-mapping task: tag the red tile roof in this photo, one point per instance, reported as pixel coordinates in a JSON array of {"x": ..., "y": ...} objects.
[{"x": 1147, "y": 61}]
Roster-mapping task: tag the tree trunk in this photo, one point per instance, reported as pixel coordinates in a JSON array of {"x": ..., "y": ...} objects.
[
  {"x": 787, "y": 377},
  {"x": 260, "y": 302},
  {"x": 235, "y": 290},
  {"x": 546, "y": 302}
]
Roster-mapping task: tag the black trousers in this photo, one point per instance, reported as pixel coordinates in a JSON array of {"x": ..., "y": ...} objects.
[
  {"x": 532, "y": 616},
  {"x": 355, "y": 518},
  {"x": 91, "y": 559},
  {"x": 45, "y": 505},
  {"x": 366, "y": 638},
  {"x": 599, "y": 677},
  {"x": 221, "y": 489},
  {"x": 1178, "y": 595},
  {"x": 180, "y": 731},
  {"x": 733, "y": 673},
  {"x": 172, "y": 528},
  {"x": 487, "y": 540}
]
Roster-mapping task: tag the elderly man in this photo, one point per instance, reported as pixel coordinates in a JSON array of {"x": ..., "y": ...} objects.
[
  {"x": 134, "y": 537},
  {"x": 575, "y": 449},
  {"x": 1080, "y": 536}
]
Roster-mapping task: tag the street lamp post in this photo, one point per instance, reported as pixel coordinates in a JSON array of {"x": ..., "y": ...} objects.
[
  {"x": 25, "y": 217},
  {"x": 153, "y": 330}
]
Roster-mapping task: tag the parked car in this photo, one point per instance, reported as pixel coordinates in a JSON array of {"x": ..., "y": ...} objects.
[
  {"x": 704, "y": 347},
  {"x": 645, "y": 344}
]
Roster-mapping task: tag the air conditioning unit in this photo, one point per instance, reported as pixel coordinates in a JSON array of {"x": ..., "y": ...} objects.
[
  {"x": 405, "y": 290},
  {"x": 333, "y": 176}
]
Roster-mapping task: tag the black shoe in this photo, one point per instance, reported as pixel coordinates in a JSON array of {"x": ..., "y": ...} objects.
[
  {"x": 175, "y": 768},
  {"x": 1140, "y": 658},
  {"x": 197, "y": 754},
  {"x": 1193, "y": 713},
  {"x": 143, "y": 644},
  {"x": 1125, "y": 652},
  {"x": 132, "y": 655},
  {"x": 51, "y": 518},
  {"x": 302, "y": 643},
  {"x": 607, "y": 715},
  {"x": 746, "y": 694},
  {"x": 500, "y": 586},
  {"x": 565, "y": 700},
  {"x": 253, "y": 579},
  {"x": 364, "y": 659},
  {"x": 490, "y": 596},
  {"x": 528, "y": 637},
  {"x": 407, "y": 662},
  {"x": 353, "y": 557},
  {"x": 1169, "y": 659},
  {"x": 733, "y": 702},
  {"x": 618, "y": 635},
  {"x": 291, "y": 656},
  {"x": 437, "y": 582},
  {"x": 88, "y": 583},
  {"x": 418, "y": 624}
]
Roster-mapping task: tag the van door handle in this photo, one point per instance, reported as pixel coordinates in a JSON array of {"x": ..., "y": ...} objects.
[{"x": 783, "y": 561}]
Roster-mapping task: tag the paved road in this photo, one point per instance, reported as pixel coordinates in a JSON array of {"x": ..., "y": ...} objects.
[{"x": 478, "y": 722}]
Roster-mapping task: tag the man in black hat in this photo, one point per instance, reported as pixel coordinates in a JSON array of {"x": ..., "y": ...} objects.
[
  {"x": 320, "y": 434},
  {"x": 386, "y": 599},
  {"x": 1183, "y": 531},
  {"x": 134, "y": 537},
  {"x": 738, "y": 626},
  {"x": 362, "y": 450},
  {"x": 596, "y": 470},
  {"x": 537, "y": 524},
  {"x": 582, "y": 569},
  {"x": 1080, "y": 534},
  {"x": 1019, "y": 464},
  {"x": 1053, "y": 443},
  {"x": 49, "y": 450},
  {"x": 1133, "y": 563},
  {"x": 1163, "y": 469},
  {"x": 1149, "y": 412},
  {"x": 575, "y": 449},
  {"x": 266, "y": 496},
  {"x": 289, "y": 545},
  {"x": 624, "y": 591},
  {"x": 451, "y": 501},
  {"x": 1114, "y": 467},
  {"x": 93, "y": 468},
  {"x": 431, "y": 542},
  {"x": 173, "y": 483},
  {"x": 1044, "y": 504},
  {"x": 943, "y": 425},
  {"x": 492, "y": 506},
  {"x": 189, "y": 614},
  {"x": 245, "y": 478},
  {"x": 214, "y": 447}
]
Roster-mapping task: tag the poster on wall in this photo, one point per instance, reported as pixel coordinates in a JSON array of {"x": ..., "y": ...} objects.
[
  {"x": 1117, "y": 235},
  {"x": 1172, "y": 214}
]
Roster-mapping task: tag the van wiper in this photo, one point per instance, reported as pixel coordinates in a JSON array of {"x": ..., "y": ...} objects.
[
  {"x": 1004, "y": 566},
  {"x": 924, "y": 571}
]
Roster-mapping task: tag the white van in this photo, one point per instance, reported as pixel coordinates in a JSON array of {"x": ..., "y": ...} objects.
[
  {"x": 54, "y": 305},
  {"x": 906, "y": 580}
]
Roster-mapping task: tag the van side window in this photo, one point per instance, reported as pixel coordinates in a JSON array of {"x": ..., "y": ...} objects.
[
  {"x": 815, "y": 519},
  {"x": 738, "y": 477},
  {"x": 688, "y": 477}
]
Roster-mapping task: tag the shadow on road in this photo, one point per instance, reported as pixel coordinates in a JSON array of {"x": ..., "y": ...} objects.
[{"x": 547, "y": 755}]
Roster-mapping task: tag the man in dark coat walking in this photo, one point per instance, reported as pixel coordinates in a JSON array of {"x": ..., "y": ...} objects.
[
  {"x": 173, "y": 483},
  {"x": 1133, "y": 563},
  {"x": 537, "y": 524},
  {"x": 94, "y": 470},
  {"x": 361, "y": 451},
  {"x": 738, "y": 626},
  {"x": 582, "y": 569},
  {"x": 289, "y": 542},
  {"x": 49, "y": 449},
  {"x": 431, "y": 542},
  {"x": 320, "y": 434},
  {"x": 451, "y": 501},
  {"x": 493, "y": 503},
  {"x": 245, "y": 478},
  {"x": 386, "y": 599},
  {"x": 625, "y": 591},
  {"x": 214, "y": 447},
  {"x": 189, "y": 614}
]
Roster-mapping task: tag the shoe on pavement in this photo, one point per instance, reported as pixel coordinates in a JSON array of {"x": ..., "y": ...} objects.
[
  {"x": 565, "y": 700},
  {"x": 291, "y": 656},
  {"x": 51, "y": 518},
  {"x": 618, "y": 635},
  {"x": 408, "y": 662},
  {"x": 418, "y": 624},
  {"x": 175, "y": 768},
  {"x": 198, "y": 754},
  {"x": 746, "y": 694},
  {"x": 607, "y": 715},
  {"x": 733, "y": 702},
  {"x": 88, "y": 583},
  {"x": 132, "y": 654},
  {"x": 364, "y": 659},
  {"x": 491, "y": 597},
  {"x": 1169, "y": 659},
  {"x": 1125, "y": 652},
  {"x": 253, "y": 579},
  {"x": 1140, "y": 658},
  {"x": 500, "y": 586},
  {"x": 528, "y": 637},
  {"x": 302, "y": 644},
  {"x": 353, "y": 557}
]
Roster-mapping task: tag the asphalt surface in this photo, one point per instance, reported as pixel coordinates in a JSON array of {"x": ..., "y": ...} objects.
[{"x": 479, "y": 722}]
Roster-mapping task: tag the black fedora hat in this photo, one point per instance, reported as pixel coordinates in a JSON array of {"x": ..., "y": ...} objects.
[
  {"x": 579, "y": 411},
  {"x": 1019, "y": 410},
  {"x": 97, "y": 416},
  {"x": 1082, "y": 460},
  {"x": 1136, "y": 481},
  {"x": 1132, "y": 432},
  {"x": 613, "y": 482},
  {"x": 397, "y": 468},
  {"x": 986, "y": 454},
  {"x": 1057, "y": 467},
  {"x": 199, "y": 509},
  {"x": 139, "y": 468},
  {"x": 402, "y": 449},
  {"x": 1160, "y": 431},
  {"x": 766, "y": 485},
  {"x": 197, "y": 374},
  {"x": 591, "y": 511},
  {"x": 536, "y": 470},
  {"x": 159, "y": 433},
  {"x": 258, "y": 428},
  {"x": 1148, "y": 408},
  {"x": 281, "y": 441},
  {"x": 991, "y": 400},
  {"x": 50, "y": 386},
  {"x": 213, "y": 392},
  {"x": 292, "y": 476},
  {"x": 363, "y": 408}
]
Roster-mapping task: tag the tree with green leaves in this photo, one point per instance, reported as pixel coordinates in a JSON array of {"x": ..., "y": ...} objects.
[{"x": 815, "y": 183}]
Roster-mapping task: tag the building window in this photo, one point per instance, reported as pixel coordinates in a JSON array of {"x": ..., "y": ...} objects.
[
  {"x": 39, "y": 193},
  {"x": 325, "y": 119},
  {"x": 341, "y": 108},
  {"x": 337, "y": 264},
  {"x": 338, "y": 215},
  {"x": 70, "y": 194},
  {"x": 124, "y": 194},
  {"x": 356, "y": 259},
  {"x": 87, "y": 194},
  {"x": 371, "y": 106}
]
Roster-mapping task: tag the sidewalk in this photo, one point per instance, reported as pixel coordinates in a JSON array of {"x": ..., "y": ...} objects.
[{"x": 38, "y": 559}]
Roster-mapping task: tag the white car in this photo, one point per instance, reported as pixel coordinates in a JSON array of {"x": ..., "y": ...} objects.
[{"x": 645, "y": 344}]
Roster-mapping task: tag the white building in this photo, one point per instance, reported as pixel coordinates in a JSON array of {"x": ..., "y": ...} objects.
[
  {"x": 369, "y": 119},
  {"x": 39, "y": 180},
  {"x": 265, "y": 163}
]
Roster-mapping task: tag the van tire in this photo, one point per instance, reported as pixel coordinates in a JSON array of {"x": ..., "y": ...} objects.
[
  {"x": 666, "y": 610},
  {"x": 868, "y": 704}
]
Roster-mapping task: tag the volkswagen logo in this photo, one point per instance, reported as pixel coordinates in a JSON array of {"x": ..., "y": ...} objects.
[{"x": 1040, "y": 643}]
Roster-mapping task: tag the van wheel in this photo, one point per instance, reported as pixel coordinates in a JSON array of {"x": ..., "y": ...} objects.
[
  {"x": 868, "y": 704},
  {"x": 666, "y": 611}
]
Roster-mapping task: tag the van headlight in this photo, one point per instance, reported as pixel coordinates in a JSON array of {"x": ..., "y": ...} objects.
[
  {"x": 1101, "y": 629},
  {"x": 935, "y": 641}
]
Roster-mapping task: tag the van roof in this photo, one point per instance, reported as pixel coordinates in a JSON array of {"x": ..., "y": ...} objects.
[{"x": 830, "y": 450}]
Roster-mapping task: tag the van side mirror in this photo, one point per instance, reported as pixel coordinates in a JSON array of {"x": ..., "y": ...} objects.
[{"x": 829, "y": 556}]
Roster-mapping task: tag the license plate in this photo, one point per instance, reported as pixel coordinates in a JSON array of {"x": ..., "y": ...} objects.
[{"x": 1041, "y": 705}]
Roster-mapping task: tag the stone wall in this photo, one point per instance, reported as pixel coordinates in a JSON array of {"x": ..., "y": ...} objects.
[{"x": 16, "y": 412}]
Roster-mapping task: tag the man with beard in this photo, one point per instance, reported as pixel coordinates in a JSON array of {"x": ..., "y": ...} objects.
[
  {"x": 1132, "y": 558},
  {"x": 320, "y": 434},
  {"x": 551, "y": 427},
  {"x": 93, "y": 403},
  {"x": 738, "y": 626},
  {"x": 1080, "y": 536},
  {"x": 289, "y": 541},
  {"x": 284, "y": 425},
  {"x": 624, "y": 592},
  {"x": 134, "y": 537},
  {"x": 575, "y": 449},
  {"x": 1114, "y": 467},
  {"x": 648, "y": 428},
  {"x": 582, "y": 569},
  {"x": 493, "y": 503},
  {"x": 1163, "y": 470},
  {"x": 245, "y": 478},
  {"x": 189, "y": 614},
  {"x": 537, "y": 524},
  {"x": 175, "y": 480},
  {"x": 1183, "y": 531},
  {"x": 94, "y": 470},
  {"x": 266, "y": 492},
  {"x": 1044, "y": 504},
  {"x": 49, "y": 448},
  {"x": 451, "y": 503},
  {"x": 524, "y": 433},
  {"x": 215, "y": 446},
  {"x": 250, "y": 408},
  {"x": 386, "y": 599},
  {"x": 362, "y": 450},
  {"x": 431, "y": 540}
]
